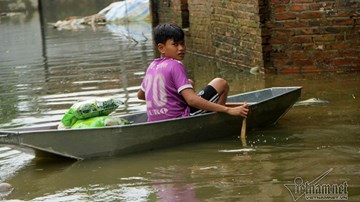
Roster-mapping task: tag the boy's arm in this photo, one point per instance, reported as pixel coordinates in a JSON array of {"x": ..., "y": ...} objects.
[
  {"x": 196, "y": 101},
  {"x": 141, "y": 94}
]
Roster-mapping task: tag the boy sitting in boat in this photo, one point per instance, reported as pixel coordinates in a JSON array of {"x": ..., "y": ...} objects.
[{"x": 167, "y": 89}]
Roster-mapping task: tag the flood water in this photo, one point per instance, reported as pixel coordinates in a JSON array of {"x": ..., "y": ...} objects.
[{"x": 42, "y": 73}]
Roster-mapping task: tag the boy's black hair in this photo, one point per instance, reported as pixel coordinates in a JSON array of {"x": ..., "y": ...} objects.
[{"x": 166, "y": 31}]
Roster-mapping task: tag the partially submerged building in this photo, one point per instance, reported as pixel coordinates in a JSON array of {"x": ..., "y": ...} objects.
[{"x": 281, "y": 36}]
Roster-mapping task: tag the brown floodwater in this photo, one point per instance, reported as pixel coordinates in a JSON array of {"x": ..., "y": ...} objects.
[{"x": 42, "y": 73}]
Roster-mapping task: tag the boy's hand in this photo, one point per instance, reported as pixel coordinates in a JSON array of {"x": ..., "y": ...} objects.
[
  {"x": 141, "y": 94},
  {"x": 239, "y": 111}
]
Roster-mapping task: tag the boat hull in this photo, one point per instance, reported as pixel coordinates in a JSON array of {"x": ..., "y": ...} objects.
[{"x": 266, "y": 107}]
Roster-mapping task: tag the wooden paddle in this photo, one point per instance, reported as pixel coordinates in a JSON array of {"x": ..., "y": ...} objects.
[
  {"x": 243, "y": 125},
  {"x": 243, "y": 132}
]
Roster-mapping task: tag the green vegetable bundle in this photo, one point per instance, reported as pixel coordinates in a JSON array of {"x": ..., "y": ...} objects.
[
  {"x": 99, "y": 121},
  {"x": 88, "y": 109}
]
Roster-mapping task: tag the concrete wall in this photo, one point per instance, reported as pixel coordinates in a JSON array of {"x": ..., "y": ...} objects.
[{"x": 283, "y": 36}]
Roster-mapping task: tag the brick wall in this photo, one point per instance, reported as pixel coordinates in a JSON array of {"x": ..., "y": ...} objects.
[
  {"x": 311, "y": 35},
  {"x": 199, "y": 37},
  {"x": 236, "y": 34},
  {"x": 226, "y": 30},
  {"x": 283, "y": 36},
  {"x": 168, "y": 11}
]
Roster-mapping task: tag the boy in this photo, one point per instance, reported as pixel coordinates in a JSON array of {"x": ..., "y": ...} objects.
[{"x": 169, "y": 92}]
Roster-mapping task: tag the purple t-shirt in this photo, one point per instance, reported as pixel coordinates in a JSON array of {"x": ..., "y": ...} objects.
[{"x": 165, "y": 78}]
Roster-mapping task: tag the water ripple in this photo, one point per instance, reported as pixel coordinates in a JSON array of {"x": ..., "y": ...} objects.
[{"x": 12, "y": 161}]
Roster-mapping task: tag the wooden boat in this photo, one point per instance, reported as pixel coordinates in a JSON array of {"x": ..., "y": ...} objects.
[{"x": 266, "y": 107}]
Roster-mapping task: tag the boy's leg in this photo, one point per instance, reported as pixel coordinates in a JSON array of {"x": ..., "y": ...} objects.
[
  {"x": 222, "y": 88},
  {"x": 216, "y": 91}
]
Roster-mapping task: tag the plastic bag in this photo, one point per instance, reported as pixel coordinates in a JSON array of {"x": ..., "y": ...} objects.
[
  {"x": 88, "y": 109},
  {"x": 128, "y": 10},
  {"x": 100, "y": 121}
]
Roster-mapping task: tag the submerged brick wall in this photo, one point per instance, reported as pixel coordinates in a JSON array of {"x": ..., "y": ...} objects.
[
  {"x": 227, "y": 30},
  {"x": 311, "y": 35},
  {"x": 236, "y": 34},
  {"x": 199, "y": 38}
]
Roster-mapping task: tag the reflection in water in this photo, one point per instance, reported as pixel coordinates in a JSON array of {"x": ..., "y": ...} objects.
[
  {"x": 133, "y": 31},
  {"x": 11, "y": 161},
  {"x": 99, "y": 192},
  {"x": 171, "y": 184},
  {"x": 37, "y": 86},
  {"x": 78, "y": 66}
]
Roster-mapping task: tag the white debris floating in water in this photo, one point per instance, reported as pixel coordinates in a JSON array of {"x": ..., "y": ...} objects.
[
  {"x": 5, "y": 190},
  {"x": 237, "y": 150},
  {"x": 311, "y": 101}
]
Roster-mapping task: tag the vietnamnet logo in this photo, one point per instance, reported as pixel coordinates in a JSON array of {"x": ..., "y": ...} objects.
[{"x": 315, "y": 191}]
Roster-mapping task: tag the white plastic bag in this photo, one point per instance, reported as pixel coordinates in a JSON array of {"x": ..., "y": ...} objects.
[{"x": 128, "y": 10}]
